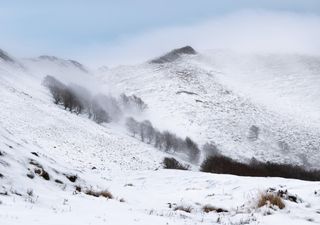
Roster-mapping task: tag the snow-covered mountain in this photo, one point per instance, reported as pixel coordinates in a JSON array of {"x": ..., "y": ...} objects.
[
  {"x": 48, "y": 154},
  {"x": 220, "y": 96}
]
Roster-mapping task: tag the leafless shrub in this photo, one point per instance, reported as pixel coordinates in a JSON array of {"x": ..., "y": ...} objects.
[
  {"x": 132, "y": 126},
  {"x": 172, "y": 163},
  {"x": 133, "y": 103},
  {"x": 147, "y": 131},
  {"x": 169, "y": 140},
  {"x": 105, "y": 194}
]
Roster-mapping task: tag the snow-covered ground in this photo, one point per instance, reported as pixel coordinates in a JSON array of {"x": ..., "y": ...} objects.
[{"x": 36, "y": 135}]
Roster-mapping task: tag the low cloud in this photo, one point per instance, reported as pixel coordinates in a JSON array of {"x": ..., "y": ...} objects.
[{"x": 246, "y": 31}]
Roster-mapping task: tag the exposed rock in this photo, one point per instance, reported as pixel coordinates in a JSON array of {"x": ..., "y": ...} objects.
[{"x": 174, "y": 55}]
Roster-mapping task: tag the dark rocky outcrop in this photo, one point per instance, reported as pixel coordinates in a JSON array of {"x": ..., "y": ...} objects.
[{"x": 174, "y": 55}]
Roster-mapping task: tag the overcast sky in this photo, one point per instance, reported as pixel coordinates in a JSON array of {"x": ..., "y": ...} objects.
[{"x": 110, "y": 32}]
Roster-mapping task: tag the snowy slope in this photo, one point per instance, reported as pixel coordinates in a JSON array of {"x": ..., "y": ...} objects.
[
  {"x": 214, "y": 98},
  {"x": 35, "y": 134}
]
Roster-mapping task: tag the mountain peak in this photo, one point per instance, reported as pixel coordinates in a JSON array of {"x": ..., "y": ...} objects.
[
  {"x": 175, "y": 54},
  {"x": 185, "y": 50}
]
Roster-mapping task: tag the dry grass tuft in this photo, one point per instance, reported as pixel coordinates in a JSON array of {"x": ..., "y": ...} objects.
[
  {"x": 186, "y": 209},
  {"x": 270, "y": 200},
  {"x": 105, "y": 193}
]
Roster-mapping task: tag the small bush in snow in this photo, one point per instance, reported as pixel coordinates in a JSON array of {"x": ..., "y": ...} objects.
[
  {"x": 172, "y": 163},
  {"x": 105, "y": 194}
]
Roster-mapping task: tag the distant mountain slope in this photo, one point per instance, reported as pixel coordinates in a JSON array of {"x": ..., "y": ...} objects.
[
  {"x": 286, "y": 82},
  {"x": 193, "y": 96}
]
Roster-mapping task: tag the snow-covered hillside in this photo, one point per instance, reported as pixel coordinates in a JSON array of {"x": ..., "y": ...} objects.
[
  {"x": 219, "y": 99},
  {"x": 48, "y": 154}
]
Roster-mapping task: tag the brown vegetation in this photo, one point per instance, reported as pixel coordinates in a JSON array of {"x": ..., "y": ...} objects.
[
  {"x": 225, "y": 165},
  {"x": 172, "y": 163},
  {"x": 105, "y": 194},
  {"x": 270, "y": 200}
]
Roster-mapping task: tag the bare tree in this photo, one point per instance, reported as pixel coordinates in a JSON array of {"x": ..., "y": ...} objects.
[
  {"x": 132, "y": 103},
  {"x": 132, "y": 126},
  {"x": 148, "y": 130},
  {"x": 193, "y": 150},
  {"x": 169, "y": 140},
  {"x": 82, "y": 98},
  {"x": 55, "y": 87},
  {"x": 210, "y": 149},
  {"x": 99, "y": 115},
  {"x": 158, "y": 139}
]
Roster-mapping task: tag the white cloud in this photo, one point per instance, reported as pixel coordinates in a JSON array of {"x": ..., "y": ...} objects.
[{"x": 249, "y": 31}]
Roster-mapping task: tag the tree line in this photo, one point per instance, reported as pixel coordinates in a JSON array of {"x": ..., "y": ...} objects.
[
  {"x": 100, "y": 108},
  {"x": 166, "y": 141},
  {"x": 225, "y": 165}
]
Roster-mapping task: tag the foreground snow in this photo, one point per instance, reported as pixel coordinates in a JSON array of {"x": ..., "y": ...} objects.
[{"x": 147, "y": 197}]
